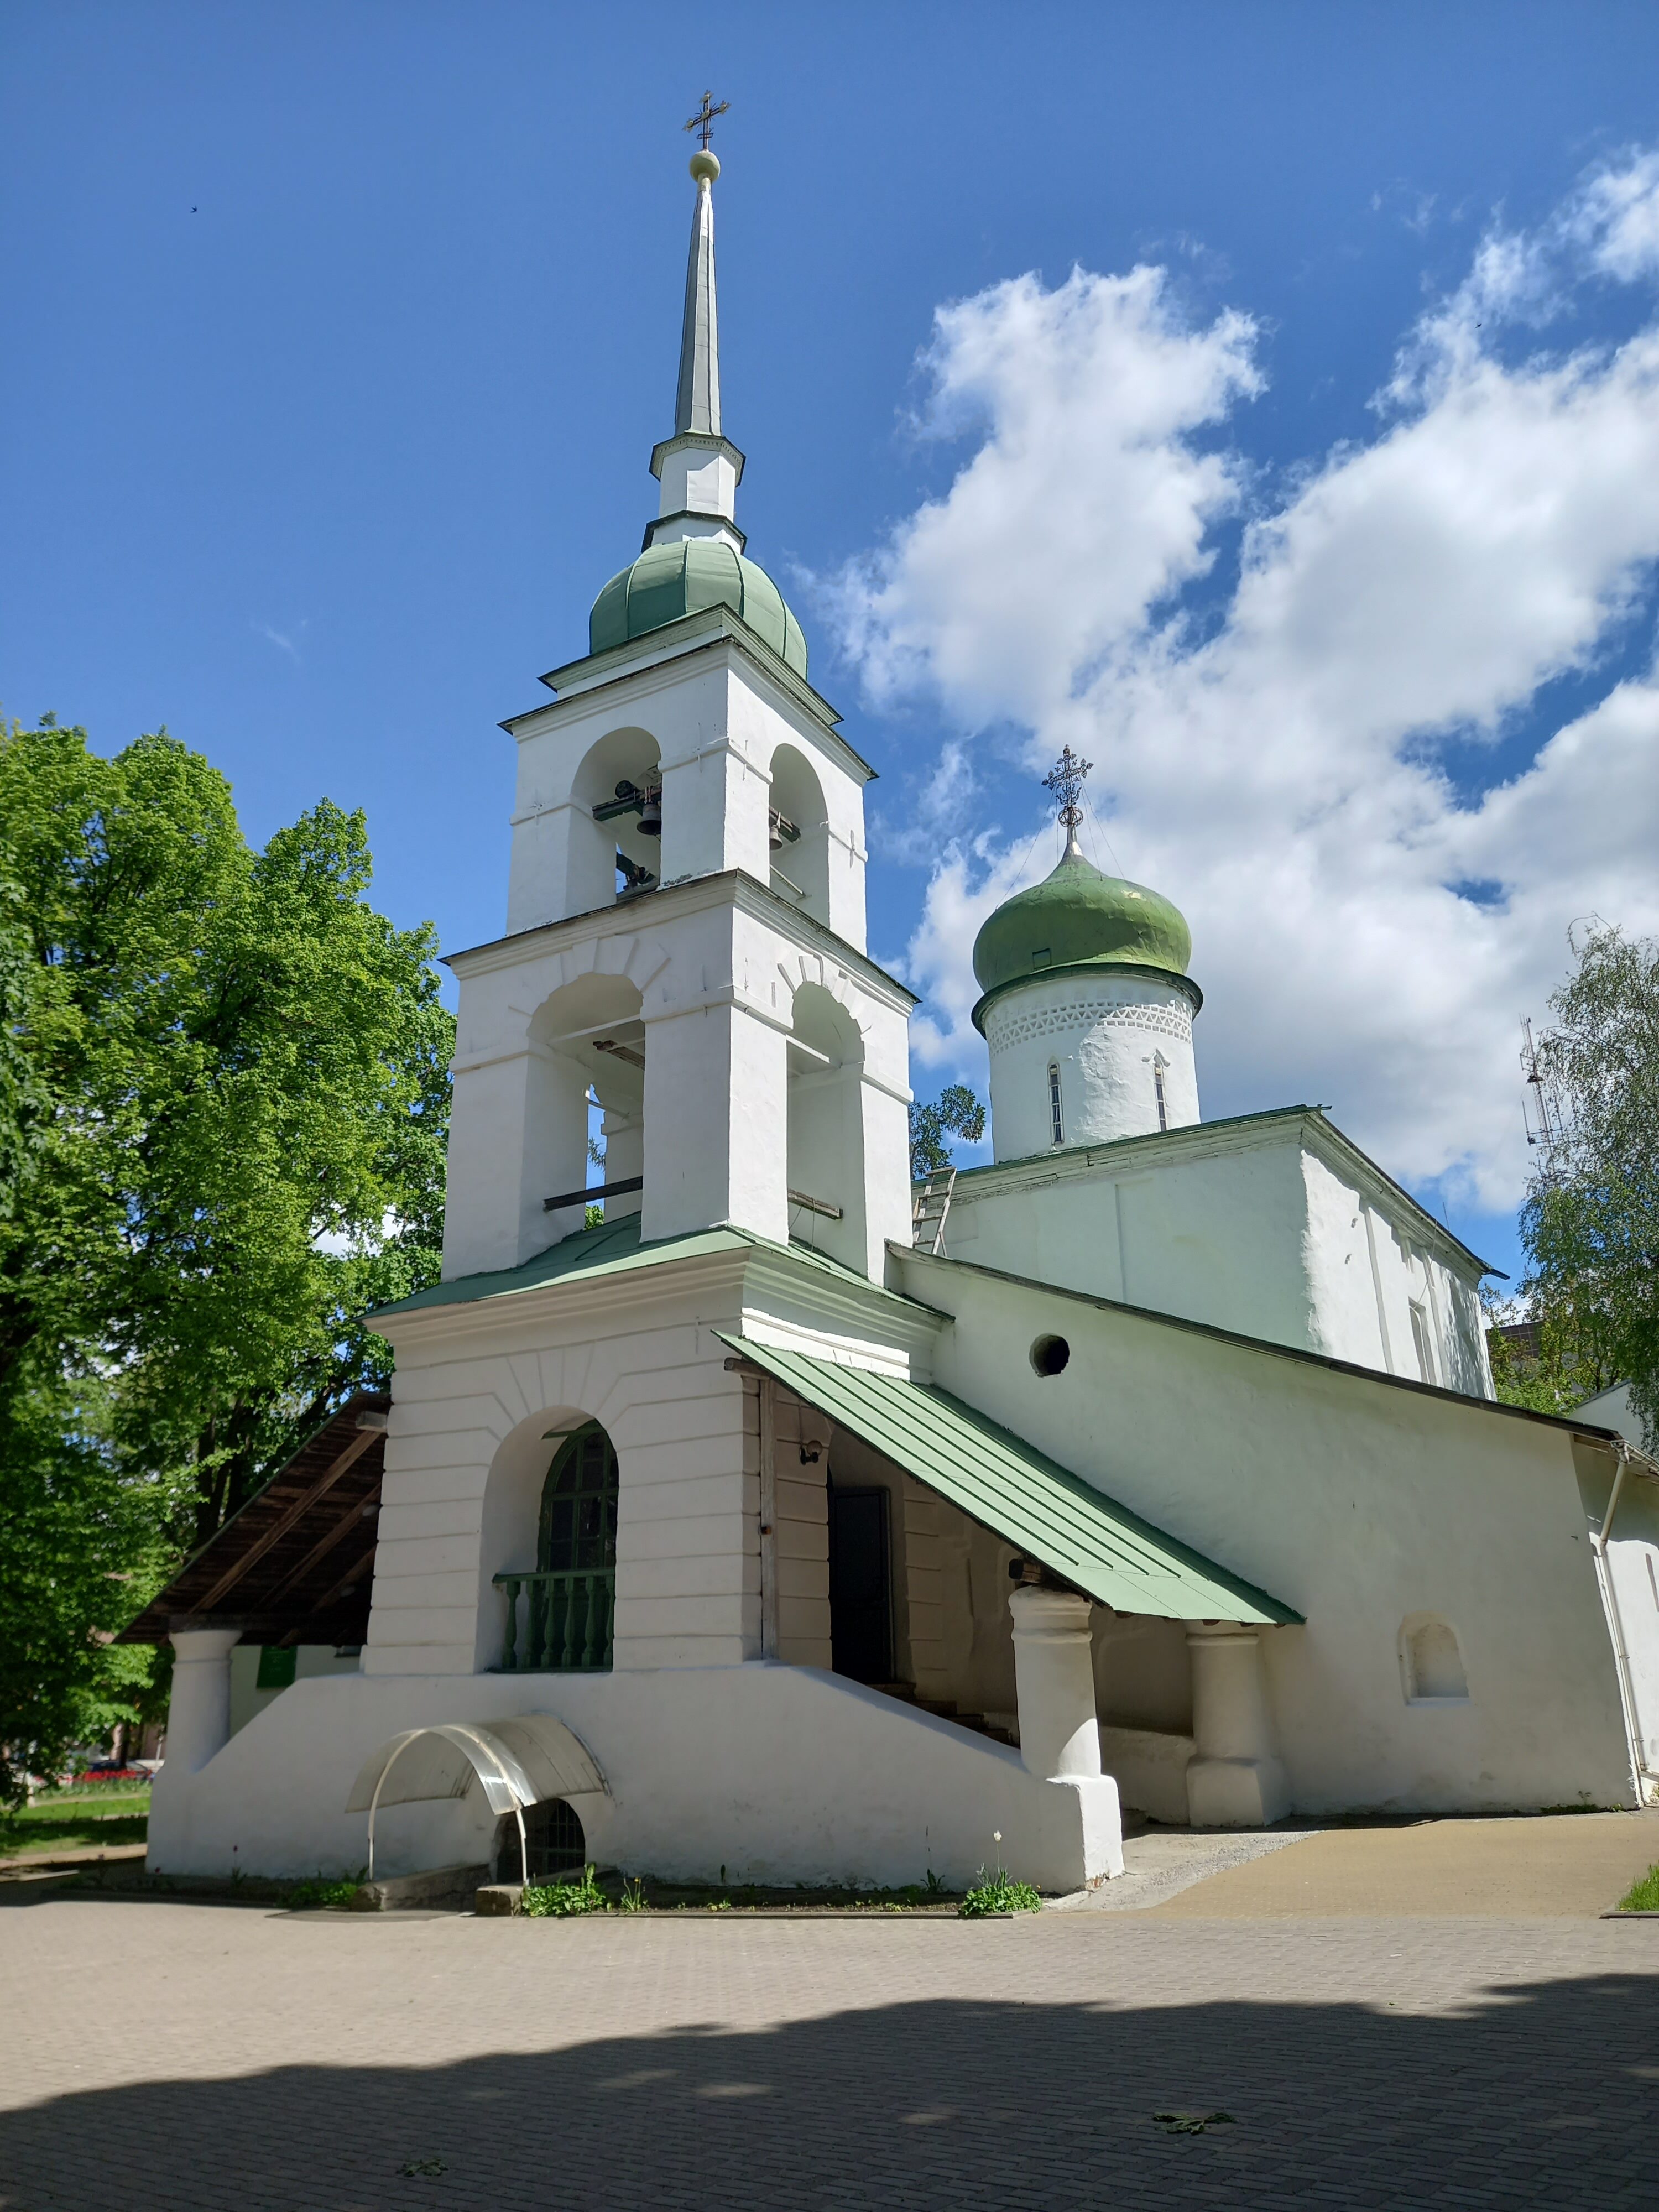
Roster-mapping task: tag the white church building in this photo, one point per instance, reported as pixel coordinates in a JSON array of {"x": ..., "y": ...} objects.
[{"x": 795, "y": 1523}]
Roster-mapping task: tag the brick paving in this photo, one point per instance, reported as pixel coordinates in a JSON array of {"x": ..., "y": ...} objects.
[{"x": 158, "y": 2058}]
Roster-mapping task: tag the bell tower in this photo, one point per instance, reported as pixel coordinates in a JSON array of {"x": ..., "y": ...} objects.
[{"x": 685, "y": 947}]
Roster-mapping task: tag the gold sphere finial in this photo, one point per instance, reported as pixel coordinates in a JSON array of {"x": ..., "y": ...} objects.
[{"x": 705, "y": 165}]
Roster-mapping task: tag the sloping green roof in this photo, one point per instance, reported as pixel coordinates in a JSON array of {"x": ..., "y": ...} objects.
[
  {"x": 668, "y": 581},
  {"x": 615, "y": 1248},
  {"x": 999, "y": 1479}
]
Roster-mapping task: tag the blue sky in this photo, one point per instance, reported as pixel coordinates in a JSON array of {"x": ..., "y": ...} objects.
[{"x": 339, "y": 336}]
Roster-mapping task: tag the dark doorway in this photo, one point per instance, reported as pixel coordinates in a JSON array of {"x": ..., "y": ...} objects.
[{"x": 860, "y": 1585}]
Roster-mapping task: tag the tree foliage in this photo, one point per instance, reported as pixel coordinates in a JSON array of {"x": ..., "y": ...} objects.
[
  {"x": 957, "y": 1111},
  {"x": 223, "y": 1093},
  {"x": 1590, "y": 1224}
]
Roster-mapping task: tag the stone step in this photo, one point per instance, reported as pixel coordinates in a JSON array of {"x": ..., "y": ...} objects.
[{"x": 440, "y": 1886}]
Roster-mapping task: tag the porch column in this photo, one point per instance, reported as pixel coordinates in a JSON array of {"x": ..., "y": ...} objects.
[
  {"x": 1055, "y": 1682},
  {"x": 1234, "y": 1778},
  {"x": 198, "y": 1711},
  {"x": 1059, "y": 1735}
]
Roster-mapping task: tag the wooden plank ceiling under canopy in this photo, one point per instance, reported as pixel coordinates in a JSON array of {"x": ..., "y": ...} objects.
[{"x": 295, "y": 1565}]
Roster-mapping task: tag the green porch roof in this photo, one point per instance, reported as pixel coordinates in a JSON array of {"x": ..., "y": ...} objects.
[
  {"x": 615, "y": 1248},
  {"x": 1007, "y": 1484}
]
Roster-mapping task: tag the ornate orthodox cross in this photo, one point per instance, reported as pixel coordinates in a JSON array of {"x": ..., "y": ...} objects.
[
  {"x": 1065, "y": 780},
  {"x": 703, "y": 120}
]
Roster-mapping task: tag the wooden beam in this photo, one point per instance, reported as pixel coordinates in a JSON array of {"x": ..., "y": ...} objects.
[
  {"x": 362, "y": 1565},
  {"x": 321, "y": 1549},
  {"x": 285, "y": 1520}
]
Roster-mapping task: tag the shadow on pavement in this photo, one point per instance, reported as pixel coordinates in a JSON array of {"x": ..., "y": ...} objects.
[{"x": 1542, "y": 2094}]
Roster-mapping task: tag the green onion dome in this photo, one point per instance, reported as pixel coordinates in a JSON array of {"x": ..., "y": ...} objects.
[
  {"x": 668, "y": 581},
  {"x": 1078, "y": 918}
]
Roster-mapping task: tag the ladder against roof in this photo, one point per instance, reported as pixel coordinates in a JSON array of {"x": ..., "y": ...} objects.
[{"x": 931, "y": 1205}]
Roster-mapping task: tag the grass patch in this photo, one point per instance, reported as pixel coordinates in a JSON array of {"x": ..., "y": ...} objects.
[
  {"x": 560, "y": 1900},
  {"x": 998, "y": 1892},
  {"x": 612, "y": 1892},
  {"x": 74, "y": 1821},
  {"x": 308, "y": 1896},
  {"x": 1642, "y": 1896}
]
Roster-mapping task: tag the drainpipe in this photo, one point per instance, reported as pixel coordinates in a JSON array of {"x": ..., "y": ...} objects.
[{"x": 1647, "y": 1783}]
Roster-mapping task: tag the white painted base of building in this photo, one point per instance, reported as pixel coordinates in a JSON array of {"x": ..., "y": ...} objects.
[{"x": 776, "y": 1774}]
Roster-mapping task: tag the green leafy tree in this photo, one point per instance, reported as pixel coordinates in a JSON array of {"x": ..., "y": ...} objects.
[
  {"x": 227, "y": 1091},
  {"x": 1590, "y": 1224},
  {"x": 955, "y": 1112}
]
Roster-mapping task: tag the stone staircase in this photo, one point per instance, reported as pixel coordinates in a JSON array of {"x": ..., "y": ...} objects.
[{"x": 944, "y": 1710}]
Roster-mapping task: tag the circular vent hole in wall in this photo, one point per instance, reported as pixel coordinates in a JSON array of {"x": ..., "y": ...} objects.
[{"x": 1050, "y": 1354}]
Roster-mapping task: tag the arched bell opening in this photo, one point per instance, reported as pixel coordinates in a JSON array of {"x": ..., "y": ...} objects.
[
  {"x": 555, "y": 1844},
  {"x": 799, "y": 835},
  {"x": 619, "y": 788},
  {"x": 561, "y": 1615},
  {"x": 590, "y": 1088},
  {"x": 826, "y": 1127}
]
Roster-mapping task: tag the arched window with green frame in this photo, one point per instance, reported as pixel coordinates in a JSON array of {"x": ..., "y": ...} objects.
[{"x": 571, "y": 1598}]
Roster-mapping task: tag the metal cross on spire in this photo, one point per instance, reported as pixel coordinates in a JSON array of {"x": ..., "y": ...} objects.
[
  {"x": 703, "y": 120},
  {"x": 1065, "y": 780}
]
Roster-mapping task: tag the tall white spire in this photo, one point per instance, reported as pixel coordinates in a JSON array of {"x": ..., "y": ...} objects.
[
  {"x": 699, "y": 469},
  {"x": 697, "y": 403}
]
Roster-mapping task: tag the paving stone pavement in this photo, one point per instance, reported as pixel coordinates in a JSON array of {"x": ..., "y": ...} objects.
[{"x": 172, "y": 2057}]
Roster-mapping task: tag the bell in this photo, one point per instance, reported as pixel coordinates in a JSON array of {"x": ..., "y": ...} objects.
[{"x": 651, "y": 811}]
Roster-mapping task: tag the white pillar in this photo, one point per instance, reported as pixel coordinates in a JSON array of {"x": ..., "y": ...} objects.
[
  {"x": 1059, "y": 1735},
  {"x": 1234, "y": 1778},
  {"x": 198, "y": 1711},
  {"x": 1055, "y": 1682}
]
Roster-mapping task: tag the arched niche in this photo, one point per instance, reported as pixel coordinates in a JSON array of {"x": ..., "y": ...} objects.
[
  {"x": 625, "y": 757},
  {"x": 825, "y": 1175},
  {"x": 800, "y": 864},
  {"x": 511, "y": 1523},
  {"x": 589, "y": 1037},
  {"x": 1431, "y": 1669}
]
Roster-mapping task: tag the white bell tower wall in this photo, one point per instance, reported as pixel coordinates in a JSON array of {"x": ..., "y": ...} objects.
[
  {"x": 1087, "y": 1056},
  {"x": 739, "y": 1050},
  {"x": 706, "y": 709}
]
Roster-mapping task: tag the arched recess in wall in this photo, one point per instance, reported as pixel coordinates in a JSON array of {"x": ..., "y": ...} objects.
[
  {"x": 1431, "y": 1669},
  {"x": 826, "y": 1127},
  {"x": 800, "y": 864},
  {"x": 510, "y": 1535},
  {"x": 623, "y": 761},
  {"x": 589, "y": 1037}
]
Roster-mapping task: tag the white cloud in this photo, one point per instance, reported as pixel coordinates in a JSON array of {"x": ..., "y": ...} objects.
[{"x": 1280, "y": 776}]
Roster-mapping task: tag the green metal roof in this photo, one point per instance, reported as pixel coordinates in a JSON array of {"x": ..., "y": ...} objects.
[
  {"x": 999, "y": 1479},
  {"x": 668, "y": 581},
  {"x": 1079, "y": 918},
  {"x": 614, "y": 1248}
]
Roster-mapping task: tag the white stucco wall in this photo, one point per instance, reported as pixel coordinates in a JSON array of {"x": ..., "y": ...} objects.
[
  {"x": 780, "y": 1774},
  {"x": 1357, "y": 1503},
  {"x": 1269, "y": 1226},
  {"x": 1106, "y": 1037},
  {"x": 479, "y": 1385},
  {"x": 247, "y": 1698},
  {"x": 710, "y": 971},
  {"x": 710, "y": 718}
]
